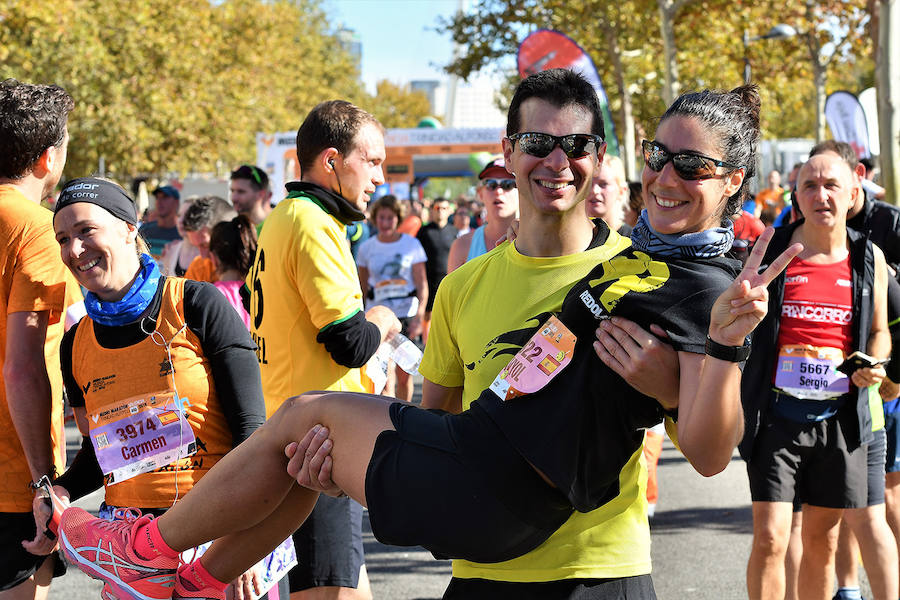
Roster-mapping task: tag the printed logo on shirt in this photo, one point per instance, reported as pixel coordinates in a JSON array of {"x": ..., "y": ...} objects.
[
  {"x": 796, "y": 280},
  {"x": 843, "y": 283},
  {"x": 817, "y": 313},
  {"x": 100, "y": 383}
]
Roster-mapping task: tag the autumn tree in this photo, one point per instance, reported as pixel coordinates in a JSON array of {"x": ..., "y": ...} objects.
[
  {"x": 625, "y": 39},
  {"x": 177, "y": 85},
  {"x": 398, "y": 106}
]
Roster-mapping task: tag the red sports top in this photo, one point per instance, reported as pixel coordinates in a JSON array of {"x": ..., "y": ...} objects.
[{"x": 818, "y": 303}]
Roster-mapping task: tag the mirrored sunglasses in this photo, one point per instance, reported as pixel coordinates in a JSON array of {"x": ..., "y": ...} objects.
[
  {"x": 504, "y": 184},
  {"x": 690, "y": 166},
  {"x": 575, "y": 145}
]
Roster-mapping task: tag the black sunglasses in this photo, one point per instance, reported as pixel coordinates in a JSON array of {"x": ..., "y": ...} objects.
[
  {"x": 575, "y": 145},
  {"x": 504, "y": 184},
  {"x": 688, "y": 165}
]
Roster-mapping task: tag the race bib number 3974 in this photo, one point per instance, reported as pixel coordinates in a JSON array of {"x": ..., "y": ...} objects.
[{"x": 140, "y": 434}]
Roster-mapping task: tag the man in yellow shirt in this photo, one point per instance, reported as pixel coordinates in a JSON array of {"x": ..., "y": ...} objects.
[
  {"x": 479, "y": 311},
  {"x": 307, "y": 319},
  {"x": 35, "y": 289}
]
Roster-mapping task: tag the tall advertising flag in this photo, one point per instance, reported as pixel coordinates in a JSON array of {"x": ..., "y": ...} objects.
[
  {"x": 549, "y": 49},
  {"x": 847, "y": 122}
]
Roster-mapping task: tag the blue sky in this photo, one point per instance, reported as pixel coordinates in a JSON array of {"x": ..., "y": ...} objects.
[{"x": 397, "y": 38}]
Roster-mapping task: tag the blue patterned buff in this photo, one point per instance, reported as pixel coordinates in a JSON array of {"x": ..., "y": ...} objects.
[
  {"x": 130, "y": 308},
  {"x": 702, "y": 244}
]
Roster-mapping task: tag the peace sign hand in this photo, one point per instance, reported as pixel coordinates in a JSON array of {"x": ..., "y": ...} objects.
[{"x": 744, "y": 304}]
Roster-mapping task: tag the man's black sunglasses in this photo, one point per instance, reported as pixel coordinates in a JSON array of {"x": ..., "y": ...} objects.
[
  {"x": 575, "y": 145},
  {"x": 688, "y": 165},
  {"x": 504, "y": 184}
]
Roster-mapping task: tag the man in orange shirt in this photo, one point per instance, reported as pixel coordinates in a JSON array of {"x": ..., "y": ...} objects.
[{"x": 34, "y": 286}]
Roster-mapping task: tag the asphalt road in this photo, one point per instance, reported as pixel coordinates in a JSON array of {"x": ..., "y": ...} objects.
[{"x": 701, "y": 541}]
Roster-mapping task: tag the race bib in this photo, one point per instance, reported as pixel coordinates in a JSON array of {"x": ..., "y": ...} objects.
[
  {"x": 547, "y": 353},
  {"x": 809, "y": 372},
  {"x": 139, "y": 435},
  {"x": 270, "y": 570},
  {"x": 390, "y": 288}
]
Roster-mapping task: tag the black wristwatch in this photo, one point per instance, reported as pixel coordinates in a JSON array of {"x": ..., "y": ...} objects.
[{"x": 730, "y": 353}]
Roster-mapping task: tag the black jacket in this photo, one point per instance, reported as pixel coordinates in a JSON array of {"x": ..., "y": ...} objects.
[
  {"x": 882, "y": 222},
  {"x": 756, "y": 382}
]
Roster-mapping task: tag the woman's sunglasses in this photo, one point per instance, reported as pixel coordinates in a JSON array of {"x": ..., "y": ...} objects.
[
  {"x": 688, "y": 165},
  {"x": 504, "y": 184},
  {"x": 575, "y": 145}
]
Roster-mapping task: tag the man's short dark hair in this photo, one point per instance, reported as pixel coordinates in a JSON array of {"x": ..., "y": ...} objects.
[
  {"x": 259, "y": 179},
  {"x": 32, "y": 119},
  {"x": 842, "y": 149},
  {"x": 561, "y": 88},
  {"x": 206, "y": 211},
  {"x": 331, "y": 124},
  {"x": 867, "y": 162}
]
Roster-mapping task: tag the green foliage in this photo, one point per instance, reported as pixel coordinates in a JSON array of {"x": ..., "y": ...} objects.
[
  {"x": 178, "y": 85},
  {"x": 397, "y": 106},
  {"x": 709, "y": 49}
]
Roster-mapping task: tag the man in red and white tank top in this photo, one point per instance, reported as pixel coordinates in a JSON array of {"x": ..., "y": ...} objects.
[{"x": 809, "y": 442}]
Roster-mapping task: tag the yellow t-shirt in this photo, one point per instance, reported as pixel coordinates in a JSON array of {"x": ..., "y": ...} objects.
[
  {"x": 303, "y": 280},
  {"x": 475, "y": 325},
  {"x": 32, "y": 278}
]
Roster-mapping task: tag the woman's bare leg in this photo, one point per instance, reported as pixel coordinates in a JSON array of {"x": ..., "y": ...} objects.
[{"x": 250, "y": 493}]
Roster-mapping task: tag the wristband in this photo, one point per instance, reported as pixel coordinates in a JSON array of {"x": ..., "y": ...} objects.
[{"x": 730, "y": 353}]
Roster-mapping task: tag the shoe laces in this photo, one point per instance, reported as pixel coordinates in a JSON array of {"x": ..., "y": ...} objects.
[{"x": 123, "y": 521}]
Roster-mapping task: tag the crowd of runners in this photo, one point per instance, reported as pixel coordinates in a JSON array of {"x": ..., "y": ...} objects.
[{"x": 221, "y": 360}]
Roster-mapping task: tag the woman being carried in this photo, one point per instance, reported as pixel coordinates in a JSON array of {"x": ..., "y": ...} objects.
[{"x": 675, "y": 274}]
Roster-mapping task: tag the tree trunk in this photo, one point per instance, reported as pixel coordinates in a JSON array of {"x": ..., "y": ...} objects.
[
  {"x": 626, "y": 148},
  {"x": 667, "y": 10},
  {"x": 887, "y": 73},
  {"x": 818, "y": 68}
]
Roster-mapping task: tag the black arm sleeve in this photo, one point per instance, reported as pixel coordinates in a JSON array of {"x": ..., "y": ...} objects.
[
  {"x": 352, "y": 342},
  {"x": 84, "y": 474},
  {"x": 231, "y": 354}
]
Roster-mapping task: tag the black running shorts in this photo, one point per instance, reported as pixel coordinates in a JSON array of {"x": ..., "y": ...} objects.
[
  {"x": 452, "y": 484},
  {"x": 16, "y": 564},
  {"x": 329, "y": 546},
  {"x": 810, "y": 460}
]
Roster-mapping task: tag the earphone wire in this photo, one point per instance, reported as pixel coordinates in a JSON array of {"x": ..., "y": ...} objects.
[{"x": 159, "y": 340}]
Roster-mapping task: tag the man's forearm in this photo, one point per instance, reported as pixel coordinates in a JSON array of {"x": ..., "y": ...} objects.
[{"x": 28, "y": 397}]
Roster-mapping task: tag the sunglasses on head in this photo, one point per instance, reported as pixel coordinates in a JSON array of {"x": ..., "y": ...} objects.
[
  {"x": 504, "y": 184},
  {"x": 575, "y": 145},
  {"x": 688, "y": 165}
]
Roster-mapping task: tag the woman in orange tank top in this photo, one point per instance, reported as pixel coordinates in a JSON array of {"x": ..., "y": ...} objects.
[{"x": 162, "y": 374}]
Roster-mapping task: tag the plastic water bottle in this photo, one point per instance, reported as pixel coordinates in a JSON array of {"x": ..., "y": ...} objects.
[{"x": 405, "y": 353}]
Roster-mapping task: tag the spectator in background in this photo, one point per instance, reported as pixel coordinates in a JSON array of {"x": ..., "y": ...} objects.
[
  {"x": 497, "y": 190},
  {"x": 635, "y": 203},
  {"x": 232, "y": 246},
  {"x": 178, "y": 254},
  {"x": 872, "y": 189},
  {"x": 774, "y": 181},
  {"x": 392, "y": 273},
  {"x": 462, "y": 217},
  {"x": 250, "y": 194},
  {"x": 436, "y": 238},
  {"x": 476, "y": 209},
  {"x": 411, "y": 224},
  {"x": 199, "y": 220},
  {"x": 608, "y": 195},
  {"x": 162, "y": 230}
]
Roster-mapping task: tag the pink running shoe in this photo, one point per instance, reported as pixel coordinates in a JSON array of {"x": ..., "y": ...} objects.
[
  {"x": 189, "y": 587},
  {"x": 103, "y": 550}
]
